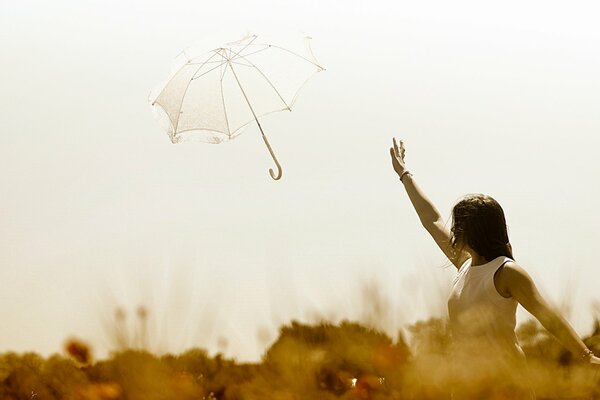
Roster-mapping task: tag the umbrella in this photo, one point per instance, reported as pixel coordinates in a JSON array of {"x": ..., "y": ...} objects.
[{"x": 213, "y": 96}]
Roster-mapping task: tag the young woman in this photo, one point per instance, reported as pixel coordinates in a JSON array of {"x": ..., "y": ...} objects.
[{"x": 485, "y": 293}]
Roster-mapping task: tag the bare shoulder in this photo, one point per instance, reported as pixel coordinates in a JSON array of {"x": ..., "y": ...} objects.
[
  {"x": 514, "y": 281},
  {"x": 510, "y": 277},
  {"x": 512, "y": 269}
]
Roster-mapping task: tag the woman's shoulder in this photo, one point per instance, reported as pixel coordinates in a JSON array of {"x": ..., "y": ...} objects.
[
  {"x": 509, "y": 274},
  {"x": 510, "y": 267}
]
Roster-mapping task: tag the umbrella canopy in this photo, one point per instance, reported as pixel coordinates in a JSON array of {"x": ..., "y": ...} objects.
[{"x": 212, "y": 97}]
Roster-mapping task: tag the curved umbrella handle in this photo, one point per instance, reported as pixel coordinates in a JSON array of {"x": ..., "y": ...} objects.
[{"x": 279, "y": 170}]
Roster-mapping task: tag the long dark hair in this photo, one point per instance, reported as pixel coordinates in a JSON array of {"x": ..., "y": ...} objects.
[{"x": 478, "y": 221}]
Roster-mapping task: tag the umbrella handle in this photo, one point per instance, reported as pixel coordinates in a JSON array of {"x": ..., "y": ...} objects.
[{"x": 279, "y": 171}]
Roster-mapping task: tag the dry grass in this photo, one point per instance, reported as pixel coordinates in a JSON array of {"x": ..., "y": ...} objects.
[{"x": 320, "y": 361}]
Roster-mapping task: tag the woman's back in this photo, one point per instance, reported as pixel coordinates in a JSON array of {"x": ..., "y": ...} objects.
[
  {"x": 485, "y": 353},
  {"x": 477, "y": 311}
]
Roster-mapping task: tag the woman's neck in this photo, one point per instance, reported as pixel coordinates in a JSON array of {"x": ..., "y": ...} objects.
[{"x": 476, "y": 259}]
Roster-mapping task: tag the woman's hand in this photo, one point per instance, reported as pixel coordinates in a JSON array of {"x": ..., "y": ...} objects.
[{"x": 397, "y": 153}]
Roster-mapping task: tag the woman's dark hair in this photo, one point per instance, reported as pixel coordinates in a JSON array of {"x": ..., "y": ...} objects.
[{"x": 478, "y": 221}]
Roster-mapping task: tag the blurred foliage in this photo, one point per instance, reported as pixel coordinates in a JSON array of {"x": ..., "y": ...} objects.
[{"x": 323, "y": 361}]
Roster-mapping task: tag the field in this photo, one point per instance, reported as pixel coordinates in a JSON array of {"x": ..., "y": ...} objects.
[{"x": 320, "y": 361}]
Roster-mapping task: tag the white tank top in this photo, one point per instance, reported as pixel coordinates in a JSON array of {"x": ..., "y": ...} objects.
[{"x": 482, "y": 321}]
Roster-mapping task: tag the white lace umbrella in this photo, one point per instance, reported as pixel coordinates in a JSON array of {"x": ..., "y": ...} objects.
[{"x": 214, "y": 96}]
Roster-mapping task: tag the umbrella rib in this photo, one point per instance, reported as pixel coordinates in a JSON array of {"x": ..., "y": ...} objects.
[
  {"x": 249, "y": 43},
  {"x": 224, "y": 59},
  {"x": 202, "y": 129},
  {"x": 223, "y": 100},
  {"x": 167, "y": 84},
  {"x": 205, "y": 62},
  {"x": 297, "y": 55},
  {"x": 187, "y": 86},
  {"x": 267, "y": 79},
  {"x": 215, "y": 52},
  {"x": 210, "y": 70},
  {"x": 243, "y": 65},
  {"x": 254, "y": 52}
]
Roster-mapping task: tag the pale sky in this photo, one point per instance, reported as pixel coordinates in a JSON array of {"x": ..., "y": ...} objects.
[{"x": 99, "y": 210}]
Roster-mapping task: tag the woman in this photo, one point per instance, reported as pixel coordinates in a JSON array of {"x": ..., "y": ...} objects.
[{"x": 485, "y": 293}]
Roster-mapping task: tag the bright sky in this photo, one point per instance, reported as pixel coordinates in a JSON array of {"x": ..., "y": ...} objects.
[{"x": 99, "y": 210}]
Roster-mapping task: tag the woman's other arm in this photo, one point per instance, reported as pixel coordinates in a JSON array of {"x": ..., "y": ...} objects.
[
  {"x": 513, "y": 281},
  {"x": 430, "y": 217}
]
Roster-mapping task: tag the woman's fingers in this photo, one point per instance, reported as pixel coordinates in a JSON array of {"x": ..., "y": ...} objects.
[
  {"x": 402, "y": 150},
  {"x": 399, "y": 150}
]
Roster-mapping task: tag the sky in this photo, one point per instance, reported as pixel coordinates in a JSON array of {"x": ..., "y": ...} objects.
[{"x": 99, "y": 211}]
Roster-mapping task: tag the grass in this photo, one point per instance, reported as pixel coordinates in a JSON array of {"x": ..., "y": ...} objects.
[{"x": 319, "y": 361}]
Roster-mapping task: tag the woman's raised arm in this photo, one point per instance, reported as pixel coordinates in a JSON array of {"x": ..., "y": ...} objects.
[{"x": 430, "y": 217}]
